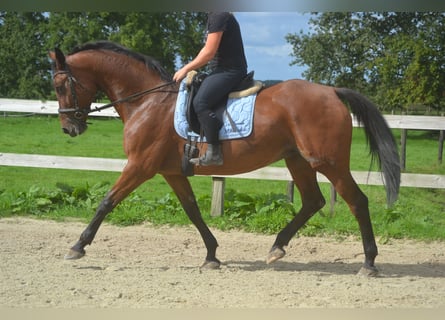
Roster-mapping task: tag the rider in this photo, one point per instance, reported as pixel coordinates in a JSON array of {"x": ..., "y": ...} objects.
[{"x": 224, "y": 51}]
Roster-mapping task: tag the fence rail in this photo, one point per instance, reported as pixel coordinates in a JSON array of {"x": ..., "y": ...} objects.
[
  {"x": 50, "y": 107},
  {"x": 267, "y": 173},
  {"x": 45, "y": 107}
]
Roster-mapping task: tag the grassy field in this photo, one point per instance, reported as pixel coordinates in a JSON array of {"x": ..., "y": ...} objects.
[{"x": 58, "y": 194}]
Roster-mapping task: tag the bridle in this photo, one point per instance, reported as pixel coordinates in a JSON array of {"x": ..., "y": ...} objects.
[{"x": 80, "y": 113}]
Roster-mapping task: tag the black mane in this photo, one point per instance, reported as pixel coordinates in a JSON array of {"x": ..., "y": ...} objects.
[{"x": 111, "y": 46}]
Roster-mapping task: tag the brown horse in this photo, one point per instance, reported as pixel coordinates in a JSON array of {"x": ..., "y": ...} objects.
[{"x": 305, "y": 124}]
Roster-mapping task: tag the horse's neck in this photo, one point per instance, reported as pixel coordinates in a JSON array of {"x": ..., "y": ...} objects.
[{"x": 120, "y": 84}]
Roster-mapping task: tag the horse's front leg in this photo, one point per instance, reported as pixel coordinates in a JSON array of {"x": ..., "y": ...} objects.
[
  {"x": 129, "y": 180},
  {"x": 78, "y": 251},
  {"x": 183, "y": 190}
]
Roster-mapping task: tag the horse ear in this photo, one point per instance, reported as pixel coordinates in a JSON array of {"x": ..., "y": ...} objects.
[{"x": 59, "y": 58}]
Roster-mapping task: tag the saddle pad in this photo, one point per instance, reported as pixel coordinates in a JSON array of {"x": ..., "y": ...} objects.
[{"x": 240, "y": 110}]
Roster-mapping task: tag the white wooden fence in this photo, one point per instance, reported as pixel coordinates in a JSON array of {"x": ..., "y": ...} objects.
[
  {"x": 50, "y": 107},
  {"x": 268, "y": 173},
  {"x": 44, "y": 107}
]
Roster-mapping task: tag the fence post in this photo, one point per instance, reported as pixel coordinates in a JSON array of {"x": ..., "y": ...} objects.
[
  {"x": 403, "y": 137},
  {"x": 441, "y": 138},
  {"x": 217, "y": 196},
  {"x": 290, "y": 191},
  {"x": 333, "y": 199}
]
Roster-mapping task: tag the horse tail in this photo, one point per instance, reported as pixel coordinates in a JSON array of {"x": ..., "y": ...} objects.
[{"x": 380, "y": 140}]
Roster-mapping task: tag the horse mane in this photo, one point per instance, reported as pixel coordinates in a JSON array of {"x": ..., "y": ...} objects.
[{"x": 111, "y": 46}]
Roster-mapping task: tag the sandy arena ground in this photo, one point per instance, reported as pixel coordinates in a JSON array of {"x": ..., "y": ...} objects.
[{"x": 158, "y": 267}]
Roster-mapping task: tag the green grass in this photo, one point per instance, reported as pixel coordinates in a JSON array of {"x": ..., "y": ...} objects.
[
  {"x": 43, "y": 135},
  {"x": 251, "y": 205}
]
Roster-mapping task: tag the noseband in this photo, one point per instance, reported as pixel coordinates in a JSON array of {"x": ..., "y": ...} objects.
[{"x": 80, "y": 113}]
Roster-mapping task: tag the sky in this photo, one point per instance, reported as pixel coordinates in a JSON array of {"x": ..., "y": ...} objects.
[{"x": 266, "y": 48}]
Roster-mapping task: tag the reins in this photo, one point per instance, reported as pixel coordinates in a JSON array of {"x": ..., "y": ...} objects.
[
  {"x": 79, "y": 113},
  {"x": 135, "y": 95}
]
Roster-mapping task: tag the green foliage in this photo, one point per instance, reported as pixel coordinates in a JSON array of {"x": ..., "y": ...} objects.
[
  {"x": 259, "y": 213},
  {"x": 40, "y": 201},
  {"x": 263, "y": 213},
  {"x": 23, "y": 62},
  {"x": 70, "y": 29},
  {"x": 28, "y": 37},
  {"x": 162, "y": 35},
  {"x": 395, "y": 58},
  {"x": 333, "y": 51}
]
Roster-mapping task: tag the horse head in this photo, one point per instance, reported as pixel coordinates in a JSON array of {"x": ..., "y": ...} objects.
[{"x": 73, "y": 94}]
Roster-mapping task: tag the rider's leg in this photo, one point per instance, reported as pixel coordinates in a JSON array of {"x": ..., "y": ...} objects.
[{"x": 212, "y": 91}]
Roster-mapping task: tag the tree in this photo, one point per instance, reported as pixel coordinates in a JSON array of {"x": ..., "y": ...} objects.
[
  {"x": 395, "y": 58},
  {"x": 26, "y": 73},
  {"x": 336, "y": 51},
  {"x": 411, "y": 67},
  {"x": 69, "y": 29},
  {"x": 164, "y": 36},
  {"x": 24, "y": 66}
]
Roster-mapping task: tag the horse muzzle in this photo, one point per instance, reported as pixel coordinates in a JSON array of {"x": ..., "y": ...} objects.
[{"x": 74, "y": 127}]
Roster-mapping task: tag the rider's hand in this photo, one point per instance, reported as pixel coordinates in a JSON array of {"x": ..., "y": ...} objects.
[{"x": 180, "y": 74}]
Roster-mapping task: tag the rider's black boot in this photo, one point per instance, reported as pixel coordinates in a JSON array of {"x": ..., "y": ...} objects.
[{"x": 211, "y": 126}]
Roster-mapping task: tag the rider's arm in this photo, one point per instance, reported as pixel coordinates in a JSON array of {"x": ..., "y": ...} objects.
[{"x": 204, "y": 56}]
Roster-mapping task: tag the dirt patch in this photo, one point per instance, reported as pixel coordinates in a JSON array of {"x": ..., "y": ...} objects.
[{"x": 146, "y": 266}]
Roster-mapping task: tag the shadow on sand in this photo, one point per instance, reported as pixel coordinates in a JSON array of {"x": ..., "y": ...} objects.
[{"x": 388, "y": 270}]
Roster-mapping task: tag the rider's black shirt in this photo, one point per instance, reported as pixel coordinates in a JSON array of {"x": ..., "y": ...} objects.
[{"x": 230, "y": 53}]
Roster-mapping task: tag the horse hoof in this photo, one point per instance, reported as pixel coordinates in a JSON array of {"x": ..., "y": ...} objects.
[
  {"x": 212, "y": 265},
  {"x": 368, "y": 272},
  {"x": 275, "y": 254},
  {"x": 74, "y": 255}
]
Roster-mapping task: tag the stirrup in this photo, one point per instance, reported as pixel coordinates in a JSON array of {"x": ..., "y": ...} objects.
[
  {"x": 203, "y": 161},
  {"x": 212, "y": 157}
]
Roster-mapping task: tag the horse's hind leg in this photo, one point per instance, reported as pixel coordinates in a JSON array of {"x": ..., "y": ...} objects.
[
  {"x": 129, "y": 180},
  {"x": 305, "y": 179},
  {"x": 357, "y": 201},
  {"x": 183, "y": 190}
]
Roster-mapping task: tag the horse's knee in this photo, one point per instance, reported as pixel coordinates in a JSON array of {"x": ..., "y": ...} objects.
[
  {"x": 87, "y": 236},
  {"x": 105, "y": 206}
]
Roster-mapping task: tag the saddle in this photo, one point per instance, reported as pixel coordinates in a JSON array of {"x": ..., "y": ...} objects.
[{"x": 246, "y": 87}]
